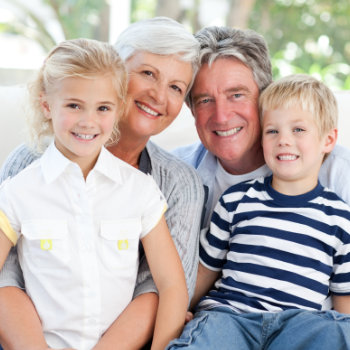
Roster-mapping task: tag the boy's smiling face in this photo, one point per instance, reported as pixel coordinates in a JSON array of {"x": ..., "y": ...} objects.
[{"x": 294, "y": 149}]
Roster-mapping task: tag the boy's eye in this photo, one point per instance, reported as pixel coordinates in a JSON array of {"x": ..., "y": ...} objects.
[
  {"x": 271, "y": 131},
  {"x": 298, "y": 130}
]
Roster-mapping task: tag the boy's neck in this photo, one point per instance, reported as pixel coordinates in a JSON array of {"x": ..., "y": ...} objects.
[{"x": 294, "y": 187}]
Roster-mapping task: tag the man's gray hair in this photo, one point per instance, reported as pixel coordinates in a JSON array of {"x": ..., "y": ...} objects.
[{"x": 246, "y": 46}]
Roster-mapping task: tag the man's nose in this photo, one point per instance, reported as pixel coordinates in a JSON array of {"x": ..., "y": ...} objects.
[{"x": 223, "y": 110}]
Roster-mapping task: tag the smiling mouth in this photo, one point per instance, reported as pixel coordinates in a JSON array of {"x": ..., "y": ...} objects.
[
  {"x": 84, "y": 136},
  {"x": 288, "y": 157},
  {"x": 228, "y": 132},
  {"x": 147, "y": 109}
]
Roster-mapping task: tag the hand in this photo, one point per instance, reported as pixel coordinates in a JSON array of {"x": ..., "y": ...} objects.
[{"x": 189, "y": 317}]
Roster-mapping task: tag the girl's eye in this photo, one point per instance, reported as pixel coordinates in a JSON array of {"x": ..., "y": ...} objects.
[
  {"x": 73, "y": 106},
  {"x": 148, "y": 72},
  {"x": 103, "y": 108}
]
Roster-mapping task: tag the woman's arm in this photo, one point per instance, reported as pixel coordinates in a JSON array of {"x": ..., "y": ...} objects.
[
  {"x": 184, "y": 194},
  {"x": 169, "y": 277}
]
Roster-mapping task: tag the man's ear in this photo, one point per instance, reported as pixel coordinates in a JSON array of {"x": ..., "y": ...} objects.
[
  {"x": 45, "y": 105},
  {"x": 330, "y": 140}
]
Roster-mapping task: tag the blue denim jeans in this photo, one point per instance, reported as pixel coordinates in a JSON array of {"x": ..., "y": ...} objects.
[{"x": 223, "y": 329}]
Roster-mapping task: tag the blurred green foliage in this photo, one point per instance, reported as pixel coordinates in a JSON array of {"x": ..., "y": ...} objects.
[{"x": 309, "y": 36}]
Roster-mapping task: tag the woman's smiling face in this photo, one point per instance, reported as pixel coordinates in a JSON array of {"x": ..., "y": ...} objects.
[{"x": 156, "y": 91}]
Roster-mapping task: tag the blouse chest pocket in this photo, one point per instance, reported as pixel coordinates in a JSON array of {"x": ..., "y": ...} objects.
[
  {"x": 120, "y": 242},
  {"x": 45, "y": 243}
]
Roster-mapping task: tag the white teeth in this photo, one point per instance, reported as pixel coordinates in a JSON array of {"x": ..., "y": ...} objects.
[
  {"x": 147, "y": 110},
  {"x": 84, "y": 136},
  {"x": 228, "y": 132},
  {"x": 287, "y": 157}
]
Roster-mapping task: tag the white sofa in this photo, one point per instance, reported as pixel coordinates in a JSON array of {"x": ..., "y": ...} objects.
[{"x": 181, "y": 132}]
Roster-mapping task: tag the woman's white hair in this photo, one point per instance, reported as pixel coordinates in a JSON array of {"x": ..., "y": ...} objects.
[{"x": 160, "y": 36}]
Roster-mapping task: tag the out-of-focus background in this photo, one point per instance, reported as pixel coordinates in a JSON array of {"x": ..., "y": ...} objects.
[{"x": 308, "y": 36}]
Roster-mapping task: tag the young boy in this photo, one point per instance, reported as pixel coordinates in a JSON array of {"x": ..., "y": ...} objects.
[{"x": 278, "y": 246}]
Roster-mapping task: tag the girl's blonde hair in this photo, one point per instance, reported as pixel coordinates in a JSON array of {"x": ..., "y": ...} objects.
[
  {"x": 84, "y": 58},
  {"x": 305, "y": 92}
]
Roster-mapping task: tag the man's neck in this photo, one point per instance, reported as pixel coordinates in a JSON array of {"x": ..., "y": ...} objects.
[{"x": 245, "y": 164}]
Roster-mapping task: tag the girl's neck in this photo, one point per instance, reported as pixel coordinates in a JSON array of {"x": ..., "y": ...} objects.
[{"x": 128, "y": 149}]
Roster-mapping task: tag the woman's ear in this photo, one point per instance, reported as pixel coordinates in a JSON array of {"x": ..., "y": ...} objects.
[
  {"x": 330, "y": 140},
  {"x": 45, "y": 105}
]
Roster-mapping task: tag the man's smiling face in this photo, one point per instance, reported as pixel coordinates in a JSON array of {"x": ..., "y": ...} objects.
[{"x": 225, "y": 106}]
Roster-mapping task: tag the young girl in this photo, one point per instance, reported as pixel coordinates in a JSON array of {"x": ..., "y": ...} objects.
[{"x": 77, "y": 214}]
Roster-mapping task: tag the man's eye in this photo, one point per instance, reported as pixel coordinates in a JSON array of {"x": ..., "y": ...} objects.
[
  {"x": 237, "y": 95},
  {"x": 204, "y": 100}
]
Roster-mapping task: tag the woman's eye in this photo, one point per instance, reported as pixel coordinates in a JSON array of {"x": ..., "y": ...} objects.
[{"x": 176, "y": 88}]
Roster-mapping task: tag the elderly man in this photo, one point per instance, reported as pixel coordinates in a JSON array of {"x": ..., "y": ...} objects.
[{"x": 235, "y": 68}]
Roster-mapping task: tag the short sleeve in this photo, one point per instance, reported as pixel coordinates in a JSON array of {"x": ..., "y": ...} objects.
[
  {"x": 214, "y": 242},
  {"x": 156, "y": 206}
]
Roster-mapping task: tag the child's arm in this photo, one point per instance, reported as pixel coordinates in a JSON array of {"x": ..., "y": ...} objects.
[
  {"x": 5, "y": 246},
  {"x": 205, "y": 280},
  {"x": 22, "y": 329},
  {"x": 168, "y": 275},
  {"x": 133, "y": 327},
  {"x": 341, "y": 303}
]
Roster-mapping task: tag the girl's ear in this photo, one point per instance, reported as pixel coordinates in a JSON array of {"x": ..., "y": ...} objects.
[
  {"x": 45, "y": 105},
  {"x": 330, "y": 140}
]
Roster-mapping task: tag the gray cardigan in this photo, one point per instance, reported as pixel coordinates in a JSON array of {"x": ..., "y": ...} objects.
[{"x": 183, "y": 191}]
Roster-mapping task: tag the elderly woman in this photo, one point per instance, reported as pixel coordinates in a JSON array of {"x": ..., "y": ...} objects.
[{"x": 161, "y": 59}]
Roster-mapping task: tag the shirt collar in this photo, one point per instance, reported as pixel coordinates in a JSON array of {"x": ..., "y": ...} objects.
[
  {"x": 110, "y": 166},
  {"x": 53, "y": 163}
]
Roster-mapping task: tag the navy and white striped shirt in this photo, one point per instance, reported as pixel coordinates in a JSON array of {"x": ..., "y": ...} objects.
[{"x": 277, "y": 252}]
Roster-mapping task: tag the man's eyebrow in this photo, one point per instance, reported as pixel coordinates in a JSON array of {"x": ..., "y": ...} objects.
[
  {"x": 199, "y": 96},
  {"x": 237, "y": 89}
]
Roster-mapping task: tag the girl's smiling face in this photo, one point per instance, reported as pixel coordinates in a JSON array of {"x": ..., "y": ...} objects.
[{"x": 83, "y": 112}]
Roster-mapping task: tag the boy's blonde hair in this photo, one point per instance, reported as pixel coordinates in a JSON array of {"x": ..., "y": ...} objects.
[
  {"x": 84, "y": 58},
  {"x": 305, "y": 92}
]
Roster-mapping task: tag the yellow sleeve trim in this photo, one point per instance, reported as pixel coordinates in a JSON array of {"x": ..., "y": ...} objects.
[{"x": 6, "y": 227}]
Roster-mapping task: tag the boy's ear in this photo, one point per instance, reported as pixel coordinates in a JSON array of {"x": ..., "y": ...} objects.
[
  {"x": 330, "y": 140},
  {"x": 45, "y": 105}
]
